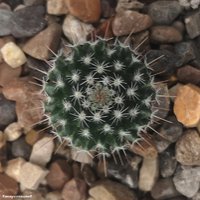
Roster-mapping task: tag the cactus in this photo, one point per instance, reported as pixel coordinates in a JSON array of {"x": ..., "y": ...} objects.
[{"x": 99, "y": 97}]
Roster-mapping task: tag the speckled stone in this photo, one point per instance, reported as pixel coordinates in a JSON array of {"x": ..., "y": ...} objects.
[{"x": 130, "y": 21}]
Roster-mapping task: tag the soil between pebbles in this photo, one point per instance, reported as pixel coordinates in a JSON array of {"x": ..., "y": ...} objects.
[{"x": 168, "y": 169}]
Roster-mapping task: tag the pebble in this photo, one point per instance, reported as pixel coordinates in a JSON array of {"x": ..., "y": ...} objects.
[
  {"x": 5, "y": 17},
  {"x": 39, "y": 45},
  {"x": 5, "y": 6},
  {"x": 57, "y": 7},
  {"x": 165, "y": 34},
  {"x": 161, "y": 143},
  {"x": 128, "y": 22},
  {"x": 89, "y": 175},
  {"x": 75, "y": 189},
  {"x": 8, "y": 186},
  {"x": 167, "y": 162},
  {"x": 164, "y": 12},
  {"x": 60, "y": 172},
  {"x": 82, "y": 156},
  {"x": 35, "y": 175},
  {"x": 86, "y": 10},
  {"x": 54, "y": 196},
  {"x": 25, "y": 25},
  {"x": 110, "y": 190},
  {"x": 32, "y": 136},
  {"x": 165, "y": 65},
  {"x": 33, "y": 2},
  {"x": 145, "y": 148},
  {"x": 128, "y": 5},
  {"x": 2, "y": 140},
  {"x": 20, "y": 148},
  {"x": 13, "y": 168},
  {"x": 75, "y": 30},
  {"x": 7, "y": 73},
  {"x": 186, "y": 180},
  {"x": 42, "y": 151},
  {"x": 148, "y": 174},
  {"x": 126, "y": 173},
  {"x": 108, "y": 8},
  {"x": 188, "y": 148},
  {"x": 13, "y": 55},
  {"x": 7, "y": 110},
  {"x": 33, "y": 195},
  {"x": 164, "y": 189},
  {"x": 186, "y": 51},
  {"x": 171, "y": 129},
  {"x": 196, "y": 196},
  {"x": 187, "y": 106},
  {"x": 192, "y": 25},
  {"x": 188, "y": 74},
  {"x": 13, "y": 131}
]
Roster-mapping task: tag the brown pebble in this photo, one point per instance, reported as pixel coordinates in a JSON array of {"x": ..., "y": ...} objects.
[{"x": 85, "y": 10}]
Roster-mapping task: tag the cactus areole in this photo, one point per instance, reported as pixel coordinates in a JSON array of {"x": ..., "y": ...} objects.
[{"x": 99, "y": 96}]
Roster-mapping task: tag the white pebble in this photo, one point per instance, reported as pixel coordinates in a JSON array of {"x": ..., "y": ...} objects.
[
  {"x": 31, "y": 176},
  {"x": 13, "y": 168},
  {"x": 13, "y": 55},
  {"x": 42, "y": 151},
  {"x": 13, "y": 131}
]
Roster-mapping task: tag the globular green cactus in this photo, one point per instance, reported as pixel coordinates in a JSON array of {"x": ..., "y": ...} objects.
[{"x": 99, "y": 96}]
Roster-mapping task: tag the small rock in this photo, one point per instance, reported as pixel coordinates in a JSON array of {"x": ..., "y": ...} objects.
[
  {"x": 5, "y": 17},
  {"x": 164, "y": 12},
  {"x": 6, "y": 39},
  {"x": 85, "y": 10},
  {"x": 188, "y": 74},
  {"x": 13, "y": 168},
  {"x": 25, "y": 25},
  {"x": 14, "y": 3},
  {"x": 13, "y": 55},
  {"x": 187, "y": 106},
  {"x": 8, "y": 186},
  {"x": 5, "y": 6},
  {"x": 128, "y": 22},
  {"x": 2, "y": 140},
  {"x": 196, "y": 196},
  {"x": 32, "y": 137},
  {"x": 53, "y": 196},
  {"x": 160, "y": 143},
  {"x": 82, "y": 156},
  {"x": 39, "y": 45},
  {"x": 75, "y": 189},
  {"x": 60, "y": 172},
  {"x": 192, "y": 24},
  {"x": 110, "y": 190},
  {"x": 13, "y": 131},
  {"x": 32, "y": 175},
  {"x": 108, "y": 8},
  {"x": 7, "y": 73},
  {"x": 89, "y": 175},
  {"x": 165, "y": 34},
  {"x": 34, "y": 195},
  {"x": 57, "y": 7},
  {"x": 126, "y": 173},
  {"x": 33, "y": 2},
  {"x": 188, "y": 148},
  {"x": 148, "y": 174},
  {"x": 186, "y": 51},
  {"x": 166, "y": 64},
  {"x": 75, "y": 30},
  {"x": 173, "y": 91},
  {"x": 128, "y": 5},
  {"x": 7, "y": 110},
  {"x": 171, "y": 129},
  {"x": 167, "y": 162},
  {"x": 164, "y": 189},
  {"x": 42, "y": 151},
  {"x": 179, "y": 25},
  {"x": 21, "y": 149},
  {"x": 145, "y": 148},
  {"x": 186, "y": 180}
]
